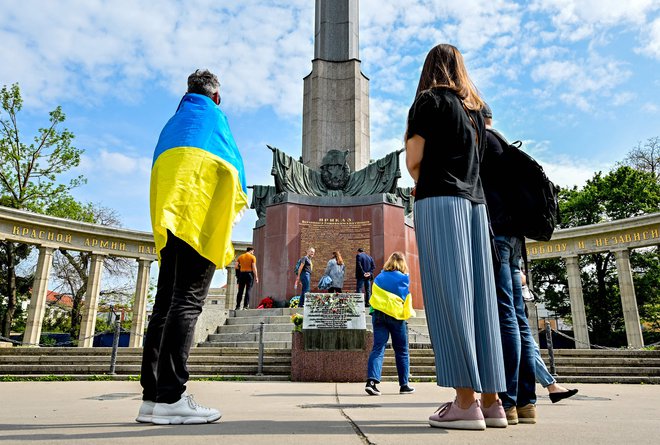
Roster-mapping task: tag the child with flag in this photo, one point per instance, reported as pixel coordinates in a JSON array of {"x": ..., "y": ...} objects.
[{"x": 391, "y": 306}]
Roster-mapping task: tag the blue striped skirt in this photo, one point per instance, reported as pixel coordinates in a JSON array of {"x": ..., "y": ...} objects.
[{"x": 459, "y": 293}]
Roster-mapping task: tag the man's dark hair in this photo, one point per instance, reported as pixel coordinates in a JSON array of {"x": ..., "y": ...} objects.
[
  {"x": 203, "y": 82},
  {"x": 250, "y": 249},
  {"x": 360, "y": 249}
]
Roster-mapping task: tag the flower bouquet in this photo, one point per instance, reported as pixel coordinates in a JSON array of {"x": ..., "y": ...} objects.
[
  {"x": 266, "y": 303},
  {"x": 294, "y": 302},
  {"x": 334, "y": 303},
  {"x": 297, "y": 320}
]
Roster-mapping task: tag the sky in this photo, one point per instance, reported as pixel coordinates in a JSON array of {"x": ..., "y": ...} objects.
[{"x": 578, "y": 81}]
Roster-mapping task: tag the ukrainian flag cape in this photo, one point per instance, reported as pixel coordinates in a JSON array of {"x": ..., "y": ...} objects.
[
  {"x": 197, "y": 180},
  {"x": 391, "y": 295}
]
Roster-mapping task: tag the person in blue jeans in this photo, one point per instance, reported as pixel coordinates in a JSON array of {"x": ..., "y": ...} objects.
[
  {"x": 304, "y": 275},
  {"x": 391, "y": 306},
  {"x": 556, "y": 392},
  {"x": 519, "y": 399}
]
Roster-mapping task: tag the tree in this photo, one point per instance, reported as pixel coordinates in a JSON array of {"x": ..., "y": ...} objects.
[
  {"x": 29, "y": 175},
  {"x": 71, "y": 268},
  {"x": 645, "y": 157}
]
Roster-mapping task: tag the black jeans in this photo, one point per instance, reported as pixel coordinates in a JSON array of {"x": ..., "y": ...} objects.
[
  {"x": 245, "y": 281},
  {"x": 183, "y": 283}
]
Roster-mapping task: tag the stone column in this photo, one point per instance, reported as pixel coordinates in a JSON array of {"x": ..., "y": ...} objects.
[
  {"x": 88, "y": 324},
  {"x": 37, "y": 307},
  {"x": 140, "y": 304},
  {"x": 578, "y": 312},
  {"x": 628, "y": 300},
  {"x": 232, "y": 288}
]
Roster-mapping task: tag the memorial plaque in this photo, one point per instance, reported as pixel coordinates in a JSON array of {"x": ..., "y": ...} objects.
[
  {"x": 327, "y": 235},
  {"x": 334, "y": 311}
]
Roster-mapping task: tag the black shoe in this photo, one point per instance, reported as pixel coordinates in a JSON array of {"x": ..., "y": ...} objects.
[
  {"x": 557, "y": 396},
  {"x": 371, "y": 388},
  {"x": 405, "y": 389}
]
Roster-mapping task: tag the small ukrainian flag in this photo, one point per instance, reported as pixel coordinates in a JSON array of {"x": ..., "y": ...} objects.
[{"x": 198, "y": 187}]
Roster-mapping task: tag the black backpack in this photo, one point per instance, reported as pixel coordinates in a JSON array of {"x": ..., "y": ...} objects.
[
  {"x": 297, "y": 266},
  {"x": 531, "y": 197}
]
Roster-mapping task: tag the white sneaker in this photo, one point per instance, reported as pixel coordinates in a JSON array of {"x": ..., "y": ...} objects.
[
  {"x": 186, "y": 411},
  {"x": 146, "y": 411}
]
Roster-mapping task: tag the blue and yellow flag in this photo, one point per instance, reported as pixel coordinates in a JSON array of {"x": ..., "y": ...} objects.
[
  {"x": 197, "y": 180},
  {"x": 390, "y": 294}
]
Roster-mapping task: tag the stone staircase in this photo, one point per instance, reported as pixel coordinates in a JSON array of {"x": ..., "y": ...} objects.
[
  {"x": 242, "y": 329},
  {"x": 232, "y": 353},
  {"x": 80, "y": 363}
]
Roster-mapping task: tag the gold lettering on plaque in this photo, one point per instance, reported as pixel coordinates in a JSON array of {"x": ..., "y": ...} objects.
[
  {"x": 581, "y": 245},
  {"x": 16, "y": 230},
  {"x": 104, "y": 244},
  {"x": 599, "y": 242},
  {"x": 654, "y": 233},
  {"x": 637, "y": 236}
]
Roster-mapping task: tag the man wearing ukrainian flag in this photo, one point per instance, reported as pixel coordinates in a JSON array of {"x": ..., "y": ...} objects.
[{"x": 197, "y": 192}]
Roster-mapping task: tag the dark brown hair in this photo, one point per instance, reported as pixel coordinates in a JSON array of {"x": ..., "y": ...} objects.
[{"x": 444, "y": 67}]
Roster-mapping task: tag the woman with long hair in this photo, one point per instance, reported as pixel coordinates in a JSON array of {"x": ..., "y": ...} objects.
[
  {"x": 335, "y": 270},
  {"x": 444, "y": 144}
]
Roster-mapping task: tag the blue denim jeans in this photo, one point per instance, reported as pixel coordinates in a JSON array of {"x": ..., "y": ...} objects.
[
  {"x": 366, "y": 284},
  {"x": 384, "y": 325},
  {"x": 304, "y": 283},
  {"x": 517, "y": 341},
  {"x": 543, "y": 376}
]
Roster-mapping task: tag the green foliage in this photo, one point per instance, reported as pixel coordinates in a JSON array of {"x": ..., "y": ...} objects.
[
  {"x": 29, "y": 172},
  {"x": 29, "y": 178}
]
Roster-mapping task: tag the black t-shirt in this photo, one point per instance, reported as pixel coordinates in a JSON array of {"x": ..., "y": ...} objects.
[
  {"x": 450, "y": 164},
  {"x": 307, "y": 265}
]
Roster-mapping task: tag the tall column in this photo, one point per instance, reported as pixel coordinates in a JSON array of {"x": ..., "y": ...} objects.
[
  {"x": 336, "y": 93},
  {"x": 578, "y": 311},
  {"x": 88, "y": 324},
  {"x": 37, "y": 306},
  {"x": 231, "y": 289},
  {"x": 140, "y": 304},
  {"x": 628, "y": 300}
]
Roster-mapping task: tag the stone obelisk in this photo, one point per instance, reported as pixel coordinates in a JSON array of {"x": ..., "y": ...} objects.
[{"x": 336, "y": 93}]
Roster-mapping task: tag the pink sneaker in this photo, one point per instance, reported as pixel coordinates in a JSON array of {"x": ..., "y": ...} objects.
[
  {"x": 451, "y": 416},
  {"x": 494, "y": 415}
]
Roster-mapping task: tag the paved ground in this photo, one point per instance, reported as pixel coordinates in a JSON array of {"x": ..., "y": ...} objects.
[{"x": 312, "y": 413}]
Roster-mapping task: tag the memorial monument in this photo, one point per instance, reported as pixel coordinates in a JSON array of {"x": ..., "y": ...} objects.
[{"x": 334, "y": 197}]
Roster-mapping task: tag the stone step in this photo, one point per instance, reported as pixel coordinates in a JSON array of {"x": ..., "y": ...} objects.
[
  {"x": 133, "y": 359},
  {"x": 607, "y": 370},
  {"x": 608, "y": 379},
  {"x": 249, "y": 337},
  {"x": 249, "y": 344},
  {"x": 65, "y": 369},
  {"x": 124, "y": 377},
  {"x": 214, "y": 350},
  {"x": 245, "y": 328},
  {"x": 602, "y": 352},
  {"x": 605, "y": 361}
]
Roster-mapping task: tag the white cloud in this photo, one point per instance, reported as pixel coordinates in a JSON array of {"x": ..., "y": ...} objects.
[
  {"x": 582, "y": 83},
  {"x": 650, "y": 107},
  {"x": 80, "y": 48},
  {"x": 651, "y": 41}
]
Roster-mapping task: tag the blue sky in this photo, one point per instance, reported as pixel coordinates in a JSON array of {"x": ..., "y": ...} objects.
[{"x": 577, "y": 80}]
